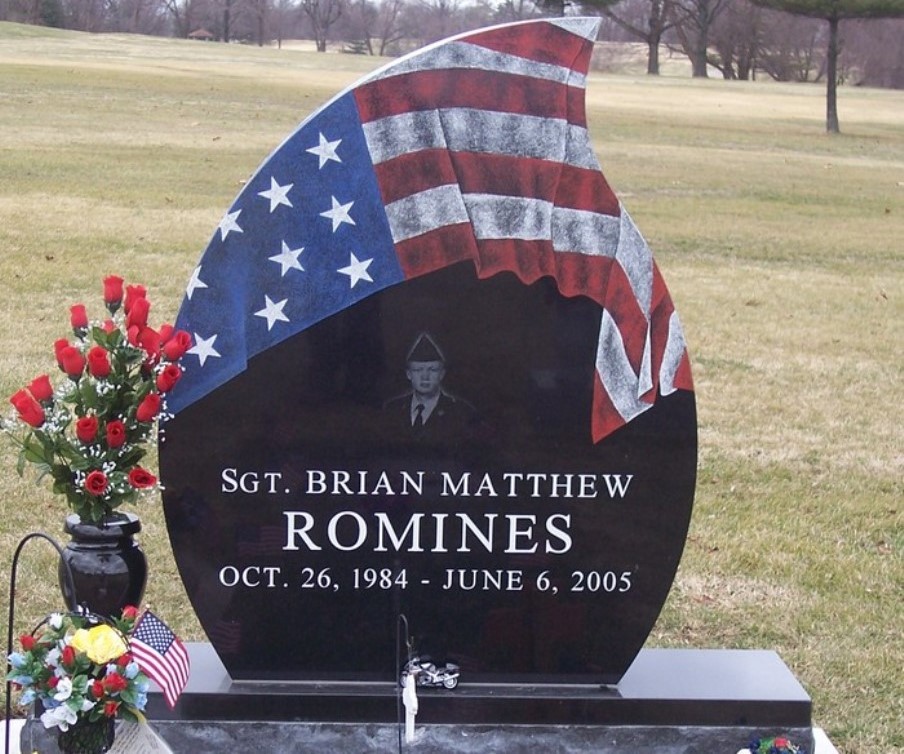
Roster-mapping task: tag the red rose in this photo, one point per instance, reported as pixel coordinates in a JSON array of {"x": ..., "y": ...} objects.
[
  {"x": 112, "y": 292},
  {"x": 52, "y": 682},
  {"x": 150, "y": 342},
  {"x": 96, "y": 483},
  {"x": 110, "y": 708},
  {"x": 78, "y": 318},
  {"x": 124, "y": 659},
  {"x": 58, "y": 346},
  {"x": 97, "y": 689},
  {"x": 138, "y": 313},
  {"x": 116, "y": 434},
  {"x": 72, "y": 361},
  {"x": 177, "y": 345},
  {"x": 29, "y": 409},
  {"x": 133, "y": 293},
  {"x": 68, "y": 655},
  {"x": 108, "y": 326},
  {"x": 115, "y": 682},
  {"x": 98, "y": 362},
  {"x": 168, "y": 378},
  {"x": 28, "y": 642},
  {"x": 41, "y": 388},
  {"x": 132, "y": 334},
  {"x": 166, "y": 332},
  {"x": 781, "y": 742},
  {"x": 86, "y": 429},
  {"x": 148, "y": 408},
  {"x": 129, "y": 612},
  {"x": 141, "y": 478}
]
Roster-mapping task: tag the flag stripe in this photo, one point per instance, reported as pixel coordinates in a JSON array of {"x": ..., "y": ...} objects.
[
  {"x": 437, "y": 249},
  {"x": 506, "y": 217},
  {"x": 471, "y": 89},
  {"x": 549, "y": 44},
  {"x": 585, "y": 232},
  {"x": 425, "y": 211},
  {"x": 467, "y": 130},
  {"x": 618, "y": 375},
  {"x": 482, "y": 173},
  {"x": 575, "y": 274},
  {"x": 509, "y": 216},
  {"x": 171, "y": 675},
  {"x": 464, "y": 55}
]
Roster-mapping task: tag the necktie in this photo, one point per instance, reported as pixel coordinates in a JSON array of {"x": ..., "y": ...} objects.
[{"x": 418, "y": 415}]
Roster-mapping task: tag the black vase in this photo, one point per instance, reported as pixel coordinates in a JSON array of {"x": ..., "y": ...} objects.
[
  {"x": 86, "y": 737},
  {"x": 109, "y": 569}
]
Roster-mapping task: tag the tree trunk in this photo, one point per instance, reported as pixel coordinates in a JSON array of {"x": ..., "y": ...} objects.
[
  {"x": 699, "y": 61},
  {"x": 655, "y": 30},
  {"x": 832, "y": 79},
  {"x": 653, "y": 56}
]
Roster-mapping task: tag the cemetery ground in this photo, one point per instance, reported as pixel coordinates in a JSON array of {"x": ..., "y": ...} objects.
[{"x": 781, "y": 247}]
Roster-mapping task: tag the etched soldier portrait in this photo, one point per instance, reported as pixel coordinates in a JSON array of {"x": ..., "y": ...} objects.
[{"x": 428, "y": 411}]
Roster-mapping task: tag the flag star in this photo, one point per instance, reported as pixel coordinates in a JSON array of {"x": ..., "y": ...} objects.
[
  {"x": 356, "y": 270},
  {"x": 229, "y": 224},
  {"x": 338, "y": 213},
  {"x": 272, "y": 312},
  {"x": 288, "y": 259},
  {"x": 195, "y": 282},
  {"x": 326, "y": 151},
  {"x": 203, "y": 348},
  {"x": 277, "y": 194}
]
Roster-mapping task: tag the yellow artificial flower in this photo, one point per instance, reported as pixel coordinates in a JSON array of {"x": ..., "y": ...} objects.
[{"x": 102, "y": 643}]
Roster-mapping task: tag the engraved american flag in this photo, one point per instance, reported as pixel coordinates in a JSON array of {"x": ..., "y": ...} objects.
[{"x": 473, "y": 149}]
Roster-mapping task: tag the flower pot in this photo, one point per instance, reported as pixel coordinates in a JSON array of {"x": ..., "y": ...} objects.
[
  {"x": 87, "y": 737},
  {"x": 109, "y": 570}
]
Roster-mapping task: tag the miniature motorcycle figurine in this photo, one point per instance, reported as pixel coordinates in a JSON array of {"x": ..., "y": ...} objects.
[{"x": 426, "y": 673}]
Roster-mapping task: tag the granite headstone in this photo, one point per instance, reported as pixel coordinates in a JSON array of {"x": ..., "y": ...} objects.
[{"x": 438, "y": 375}]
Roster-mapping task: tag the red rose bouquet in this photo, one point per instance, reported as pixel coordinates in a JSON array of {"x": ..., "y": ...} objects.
[{"x": 89, "y": 432}]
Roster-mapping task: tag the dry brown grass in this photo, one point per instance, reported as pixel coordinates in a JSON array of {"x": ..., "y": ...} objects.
[{"x": 781, "y": 246}]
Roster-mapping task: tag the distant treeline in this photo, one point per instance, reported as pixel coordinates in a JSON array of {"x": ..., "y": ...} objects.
[{"x": 736, "y": 39}]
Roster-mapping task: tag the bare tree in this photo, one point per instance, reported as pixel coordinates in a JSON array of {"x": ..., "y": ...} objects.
[
  {"x": 188, "y": 15},
  {"x": 322, "y": 14},
  {"x": 693, "y": 22},
  {"x": 438, "y": 17},
  {"x": 259, "y": 12},
  {"x": 791, "y": 49},
  {"x": 647, "y": 20},
  {"x": 735, "y": 40},
  {"x": 515, "y": 10},
  {"x": 391, "y": 26},
  {"x": 874, "y": 54},
  {"x": 834, "y": 12}
]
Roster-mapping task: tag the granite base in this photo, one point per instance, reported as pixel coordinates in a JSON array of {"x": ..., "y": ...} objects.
[{"x": 669, "y": 702}]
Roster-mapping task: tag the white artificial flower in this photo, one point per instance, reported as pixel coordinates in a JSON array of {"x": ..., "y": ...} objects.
[
  {"x": 63, "y": 690},
  {"x": 56, "y": 621},
  {"x": 53, "y": 657},
  {"x": 59, "y": 717},
  {"x": 87, "y": 705}
]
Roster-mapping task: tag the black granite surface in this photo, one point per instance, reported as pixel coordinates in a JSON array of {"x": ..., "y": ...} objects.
[{"x": 663, "y": 687}]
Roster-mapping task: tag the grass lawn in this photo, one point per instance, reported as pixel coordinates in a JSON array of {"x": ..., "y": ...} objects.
[{"x": 782, "y": 248}]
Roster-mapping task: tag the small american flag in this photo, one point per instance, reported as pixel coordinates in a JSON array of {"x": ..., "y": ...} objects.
[
  {"x": 475, "y": 148},
  {"x": 161, "y": 656}
]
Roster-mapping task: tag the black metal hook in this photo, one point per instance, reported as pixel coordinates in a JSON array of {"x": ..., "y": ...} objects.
[{"x": 73, "y": 607}]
